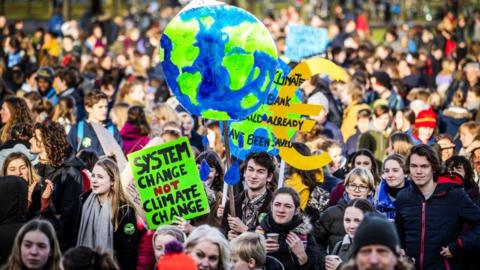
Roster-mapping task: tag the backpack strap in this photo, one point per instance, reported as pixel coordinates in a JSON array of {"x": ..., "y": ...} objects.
[
  {"x": 111, "y": 129},
  {"x": 80, "y": 133}
]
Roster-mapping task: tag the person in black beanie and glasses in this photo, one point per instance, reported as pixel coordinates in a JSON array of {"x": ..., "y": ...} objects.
[{"x": 377, "y": 246}]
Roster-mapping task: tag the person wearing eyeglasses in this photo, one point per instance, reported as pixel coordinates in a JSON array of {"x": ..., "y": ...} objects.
[{"x": 328, "y": 230}]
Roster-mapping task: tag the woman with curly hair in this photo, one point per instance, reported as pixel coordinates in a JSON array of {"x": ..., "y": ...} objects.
[
  {"x": 20, "y": 134},
  {"x": 63, "y": 169},
  {"x": 14, "y": 110}
]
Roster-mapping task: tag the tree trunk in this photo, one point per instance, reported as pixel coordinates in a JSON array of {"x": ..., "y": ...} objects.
[
  {"x": 96, "y": 7},
  {"x": 67, "y": 10}
]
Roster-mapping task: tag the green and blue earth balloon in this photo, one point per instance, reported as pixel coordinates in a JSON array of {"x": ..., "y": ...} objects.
[{"x": 219, "y": 61}]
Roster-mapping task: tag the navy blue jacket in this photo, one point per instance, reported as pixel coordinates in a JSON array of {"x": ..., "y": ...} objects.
[
  {"x": 90, "y": 140},
  {"x": 385, "y": 204},
  {"x": 425, "y": 226}
]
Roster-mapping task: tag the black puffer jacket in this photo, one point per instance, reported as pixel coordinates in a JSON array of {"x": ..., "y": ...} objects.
[
  {"x": 67, "y": 182},
  {"x": 13, "y": 211},
  {"x": 301, "y": 226},
  {"x": 425, "y": 226},
  {"x": 329, "y": 229}
]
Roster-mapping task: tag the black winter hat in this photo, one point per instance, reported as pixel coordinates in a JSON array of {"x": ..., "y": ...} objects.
[
  {"x": 376, "y": 230},
  {"x": 383, "y": 78}
]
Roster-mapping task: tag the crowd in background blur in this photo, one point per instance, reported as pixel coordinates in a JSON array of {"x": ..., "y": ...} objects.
[{"x": 404, "y": 133}]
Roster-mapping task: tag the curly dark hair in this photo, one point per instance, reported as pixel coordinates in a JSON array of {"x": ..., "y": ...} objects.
[
  {"x": 21, "y": 132},
  {"x": 456, "y": 161},
  {"x": 54, "y": 140},
  {"x": 19, "y": 114},
  {"x": 262, "y": 159}
]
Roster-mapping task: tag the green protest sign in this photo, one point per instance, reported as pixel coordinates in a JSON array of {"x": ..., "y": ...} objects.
[{"x": 167, "y": 179}]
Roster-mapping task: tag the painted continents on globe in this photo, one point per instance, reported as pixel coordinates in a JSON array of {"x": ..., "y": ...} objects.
[{"x": 219, "y": 61}]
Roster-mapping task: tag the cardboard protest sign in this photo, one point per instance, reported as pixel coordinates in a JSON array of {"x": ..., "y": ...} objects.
[
  {"x": 167, "y": 179},
  {"x": 272, "y": 127},
  {"x": 305, "y": 41},
  {"x": 283, "y": 110},
  {"x": 250, "y": 135}
]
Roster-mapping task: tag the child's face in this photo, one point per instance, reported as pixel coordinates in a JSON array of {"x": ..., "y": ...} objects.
[{"x": 239, "y": 264}]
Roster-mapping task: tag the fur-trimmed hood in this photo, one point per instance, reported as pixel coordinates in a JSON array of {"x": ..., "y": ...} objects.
[
  {"x": 305, "y": 227},
  {"x": 457, "y": 113},
  {"x": 300, "y": 224}
]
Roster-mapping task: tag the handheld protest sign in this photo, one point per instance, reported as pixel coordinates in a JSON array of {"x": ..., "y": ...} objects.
[
  {"x": 282, "y": 110},
  {"x": 218, "y": 60},
  {"x": 305, "y": 41},
  {"x": 250, "y": 135},
  {"x": 167, "y": 179}
]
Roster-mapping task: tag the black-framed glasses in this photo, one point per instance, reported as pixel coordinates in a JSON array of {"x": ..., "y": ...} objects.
[{"x": 359, "y": 188}]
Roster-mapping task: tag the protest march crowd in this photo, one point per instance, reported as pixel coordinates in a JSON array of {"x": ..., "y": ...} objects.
[{"x": 401, "y": 190}]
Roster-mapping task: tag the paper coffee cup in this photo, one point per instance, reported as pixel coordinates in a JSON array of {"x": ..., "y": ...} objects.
[{"x": 273, "y": 236}]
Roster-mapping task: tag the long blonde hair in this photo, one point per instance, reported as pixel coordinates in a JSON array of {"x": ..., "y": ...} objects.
[
  {"x": 33, "y": 176},
  {"x": 117, "y": 195}
]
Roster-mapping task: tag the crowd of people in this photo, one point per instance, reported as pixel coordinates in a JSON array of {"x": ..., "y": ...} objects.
[{"x": 401, "y": 191}]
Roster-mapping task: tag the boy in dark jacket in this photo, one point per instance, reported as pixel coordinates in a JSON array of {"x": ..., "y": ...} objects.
[
  {"x": 82, "y": 135},
  {"x": 432, "y": 212}
]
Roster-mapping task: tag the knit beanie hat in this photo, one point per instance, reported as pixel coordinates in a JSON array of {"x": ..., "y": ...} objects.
[
  {"x": 426, "y": 118},
  {"x": 376, "y": 230},
  {"x": 175, "y": 258},
  {"x": 45, "y": 73}
]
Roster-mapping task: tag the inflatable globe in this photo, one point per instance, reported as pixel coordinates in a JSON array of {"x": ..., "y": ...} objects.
[{"x": 219, "y": 61}]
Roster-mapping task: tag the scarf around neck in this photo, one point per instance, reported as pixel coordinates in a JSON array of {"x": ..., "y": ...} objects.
[
  {"x": 96, "y": 228},
  {"x": 283, "y": 229},
  {"x": 251, "y": 208}
]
